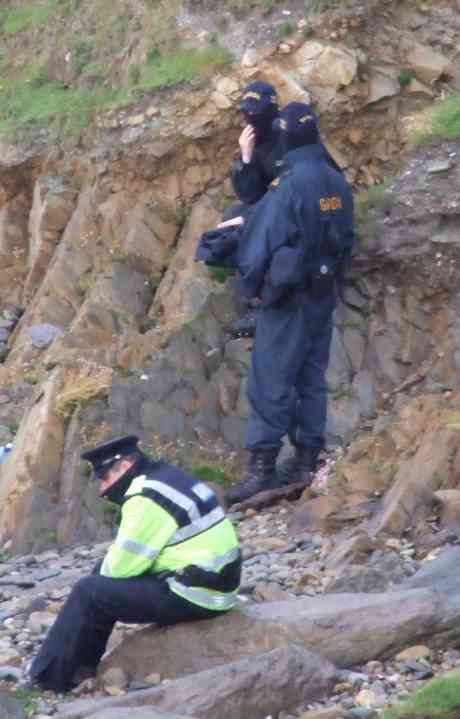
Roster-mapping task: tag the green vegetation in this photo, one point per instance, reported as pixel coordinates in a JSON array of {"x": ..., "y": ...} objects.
[
  {"x": 81, "y": 55},
  {"x": 211, "y": 474},
  {"x": 32, "y": 15},
  {"x": 183, "y": 65},
  {"x": 221, "y": 274},
  {"x": 442, "y": 120},
  {"x": 405, "y": 77},
  {"x": 33, "y": 99},
  {"x": 67, "y": 111},
  {"x": 286, "y": 29},
  {"x": 28, "y": 698},
  {"x": 440, "y": 699}
]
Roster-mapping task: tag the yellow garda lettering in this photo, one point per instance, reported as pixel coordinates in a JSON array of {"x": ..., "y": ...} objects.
[{"x": 330, "y": 203}]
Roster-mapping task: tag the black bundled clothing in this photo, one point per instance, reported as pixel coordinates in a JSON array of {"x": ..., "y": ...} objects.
[
  {"x": 219, "y": 247},
  {"x": 78, "y": 638}
]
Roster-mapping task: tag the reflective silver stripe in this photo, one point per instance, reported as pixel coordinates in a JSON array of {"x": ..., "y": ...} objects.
[
  {"x": 105, "y": 568},
  {"x": 202, "y": 491},
  {"x": 211, "y": 600},
  {"x": 135, "y": 548},
  {"x": 188, "y": 505},
  {"x": 198, "y": 526},
  {"x": 218, "y": 562}
]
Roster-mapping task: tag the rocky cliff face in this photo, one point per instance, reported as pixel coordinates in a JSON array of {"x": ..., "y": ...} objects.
[{"x": 108, "y": 325}]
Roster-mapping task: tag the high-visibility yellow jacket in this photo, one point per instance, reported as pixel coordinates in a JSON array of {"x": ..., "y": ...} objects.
[{"x": 172, "y": 524}]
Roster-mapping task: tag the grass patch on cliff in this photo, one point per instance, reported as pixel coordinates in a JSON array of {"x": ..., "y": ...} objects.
[
  {"x": 442, "y": 120},
  {"x": 68, "y": 110},
  {"x": 37, "y": 13},
  {"x": 183, "y": 65},
  {"x": 81, "y": 386},
  {"x": 440, "y": 699}
]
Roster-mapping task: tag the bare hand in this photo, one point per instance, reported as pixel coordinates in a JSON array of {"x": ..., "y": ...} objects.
[
  {"x": 247, "y": 143},
  {"x": 231, "y": 223}
]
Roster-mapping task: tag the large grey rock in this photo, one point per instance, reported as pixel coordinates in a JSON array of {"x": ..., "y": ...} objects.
[
  {"x": 10, "y": 708},
  {"x": 134, "y": 713},
  {"x": 441, "y": 574},
  {"x": 250, "y": 688},
  {"x": 43, "y": 335},
  {"x": 347, "y": 629}
]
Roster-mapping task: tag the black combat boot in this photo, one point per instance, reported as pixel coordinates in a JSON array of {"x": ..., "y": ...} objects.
[
  {"x": 246, "y": 325},
  {"x": 261, "y": 476},
  {"x": 299, "y": 467}
]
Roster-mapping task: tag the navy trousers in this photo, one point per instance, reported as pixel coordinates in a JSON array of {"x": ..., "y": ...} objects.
[
  {"x": 286, "y": 384},
  {"x": 78, "y": 638}
]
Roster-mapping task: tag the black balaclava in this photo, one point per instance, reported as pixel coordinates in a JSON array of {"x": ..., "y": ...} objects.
[
  {"x": 262, "y": 123},
  {"x": 298, "y": 126},
  {"x": 117, "y": 491},
  {"x": 259, "y": 106}
]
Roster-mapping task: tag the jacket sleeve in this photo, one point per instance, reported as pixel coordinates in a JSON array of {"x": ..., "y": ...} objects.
[
  {"x": 269, "y": 227},
  {"x": 144, "y": 530},
  {"x": 249, "y": 181}
]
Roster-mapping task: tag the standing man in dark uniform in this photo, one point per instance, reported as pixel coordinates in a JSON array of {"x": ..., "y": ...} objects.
[
  {"x": 175, "y": 558},
  {"x": 258, "y": 165},
  {"x": 291, "y": 255}
]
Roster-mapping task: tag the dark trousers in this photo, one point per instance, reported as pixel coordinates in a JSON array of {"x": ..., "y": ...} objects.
[
  {"x": 286, "y": 384},
  {"x": 79, "y": 636}
]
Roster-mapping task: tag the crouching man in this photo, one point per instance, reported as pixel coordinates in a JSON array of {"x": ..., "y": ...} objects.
[{"x": 175, "y": 558}]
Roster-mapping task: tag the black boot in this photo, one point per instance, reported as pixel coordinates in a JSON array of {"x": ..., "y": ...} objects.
[
  {"x": 299, "y": 467},
  {"x": 261, "y": 476},
  {"x": 246, "y": 325}
]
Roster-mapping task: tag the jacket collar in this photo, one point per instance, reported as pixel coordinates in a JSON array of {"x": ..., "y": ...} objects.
[{"x": 303, "y": 154}]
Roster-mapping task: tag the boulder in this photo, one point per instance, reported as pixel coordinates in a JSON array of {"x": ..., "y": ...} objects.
[
  {"x": 427, "y": 64},
  {"x": 10, "y": 708},
  {"x": 29, "y": 477},
  {"x": 53, "y": 205},
  {"x": 271, "y": 682},
  {"x": 186, "y": 285},
  {"x": 347, "y": 629}
]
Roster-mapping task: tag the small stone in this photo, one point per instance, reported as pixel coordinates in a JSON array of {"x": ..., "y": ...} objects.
[
  {"x": 342, "y": 688},
  {"x": 10, "y": 673},
  {"x": 360, "y": 713},
  {"x": 285, "y": 48},
  {"x": 439, "y": 166},
  {"x": 135, "y": 120},
  {"x": 40, "y": 622},
  {"x": 414, "y": 653},
  {"x": 114, "y": 678},
  {"x": 250, "y": 57},
  {"x": 153, "y": 679},
  {"x": 366, "y": 698},
  {"x": 332, "y": 712}
]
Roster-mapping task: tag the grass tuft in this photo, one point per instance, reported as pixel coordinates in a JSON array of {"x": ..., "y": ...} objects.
[
  {"x": 33, "y": 15},
  {"x": 217, "y": 475},
  {"x": 441, "y": 121},
  {"x": 439, "y": 699},
  {"x": 185, "y": 65},
  {"x": 82, "y": 385}
]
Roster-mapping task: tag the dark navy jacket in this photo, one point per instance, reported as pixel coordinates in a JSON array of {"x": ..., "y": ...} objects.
[
  {"x": 305, "y": 218},
  {"x": 251, "y": 180}
]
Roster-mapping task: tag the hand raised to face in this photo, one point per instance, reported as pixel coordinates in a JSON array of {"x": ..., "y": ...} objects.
[{"x": 247, "y": 143}]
